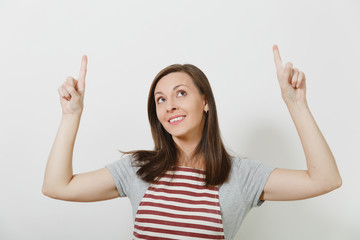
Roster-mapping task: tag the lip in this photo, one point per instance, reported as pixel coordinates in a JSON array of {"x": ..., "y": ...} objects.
[
  {"x": 176, "y": 116},
  {"x": 177, "y": 122}
]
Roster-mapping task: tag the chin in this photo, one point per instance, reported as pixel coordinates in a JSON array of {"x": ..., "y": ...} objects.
[{"x": 177, "y": 133}]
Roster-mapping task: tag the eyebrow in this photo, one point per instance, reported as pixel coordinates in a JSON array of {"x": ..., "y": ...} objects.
[{"x": 176, "y": 87}]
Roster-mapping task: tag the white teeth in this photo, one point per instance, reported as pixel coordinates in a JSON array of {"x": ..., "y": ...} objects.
[{"x": 176, "y": 119}]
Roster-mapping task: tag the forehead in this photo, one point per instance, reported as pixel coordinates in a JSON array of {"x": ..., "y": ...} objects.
[{"x": 174, "y": 79}]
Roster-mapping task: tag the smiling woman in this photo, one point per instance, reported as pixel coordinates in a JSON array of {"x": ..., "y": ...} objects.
[
  {"x": 184, "y": 125},
  {"x": 182, "y": 107},
  {"x": 188, "y": 186}
]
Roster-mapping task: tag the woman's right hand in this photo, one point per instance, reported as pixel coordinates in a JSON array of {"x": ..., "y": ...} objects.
[{"x": 72, "y": 91}]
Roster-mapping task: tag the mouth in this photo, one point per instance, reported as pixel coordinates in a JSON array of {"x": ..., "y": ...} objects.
[{"x": 176, "y": 119}]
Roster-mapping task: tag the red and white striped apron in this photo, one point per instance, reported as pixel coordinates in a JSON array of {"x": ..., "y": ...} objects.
[{"x": 180, "y": 208}]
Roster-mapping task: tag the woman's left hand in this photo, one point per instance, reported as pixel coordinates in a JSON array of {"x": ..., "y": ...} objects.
[{"x": 292, "y": 81}]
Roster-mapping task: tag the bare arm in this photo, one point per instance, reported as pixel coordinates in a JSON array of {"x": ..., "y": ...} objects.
[
  {"x": 59, "y": 181},
  {"x": 322, "y": 174}
]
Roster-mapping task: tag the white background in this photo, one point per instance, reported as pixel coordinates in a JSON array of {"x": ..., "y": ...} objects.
[{"x": 127, "y": 44}]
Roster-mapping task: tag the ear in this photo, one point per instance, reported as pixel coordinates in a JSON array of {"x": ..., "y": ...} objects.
[{"x": 206, "y": 105}]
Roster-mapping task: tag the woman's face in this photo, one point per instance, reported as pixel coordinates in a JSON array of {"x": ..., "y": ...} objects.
[{"x": 179, "y": 106}]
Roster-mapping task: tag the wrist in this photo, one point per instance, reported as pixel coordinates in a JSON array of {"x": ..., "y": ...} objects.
[
  {"x": 76, "y": 116},
  {"x": 303, "y": 105}
]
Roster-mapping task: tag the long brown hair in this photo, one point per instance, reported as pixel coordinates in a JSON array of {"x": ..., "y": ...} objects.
[{"x": 153, "y": 164}]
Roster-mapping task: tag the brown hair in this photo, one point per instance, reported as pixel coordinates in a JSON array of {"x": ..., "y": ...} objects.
[{"x": 153, "y": 164}]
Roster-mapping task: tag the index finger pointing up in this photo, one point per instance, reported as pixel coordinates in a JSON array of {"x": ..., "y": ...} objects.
[
  {"x": 82, "y": 73},
  {"x": 277, "y": 57}
]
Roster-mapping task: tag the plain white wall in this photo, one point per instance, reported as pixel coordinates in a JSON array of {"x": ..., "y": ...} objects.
[{"x": 128, "y": 43}]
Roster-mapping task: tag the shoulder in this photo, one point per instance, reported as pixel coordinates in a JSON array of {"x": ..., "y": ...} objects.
[
  {"x": 244, "y": 169},
  {"x": 240, "y": 164},
  {"x": 124, "y": 164},
  {"x": 126, "y": 160}
]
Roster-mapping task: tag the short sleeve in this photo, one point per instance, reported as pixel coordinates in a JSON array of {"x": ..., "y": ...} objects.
[
  {"x": 123, "y": 174},
  {"x": 256, "y": 174}
]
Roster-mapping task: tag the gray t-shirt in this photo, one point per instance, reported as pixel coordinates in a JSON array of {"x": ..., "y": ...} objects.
[{"x": 237, "y": 196}]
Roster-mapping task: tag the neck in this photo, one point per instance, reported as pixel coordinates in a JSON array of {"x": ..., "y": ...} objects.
[{"x": 186, "y": 148}]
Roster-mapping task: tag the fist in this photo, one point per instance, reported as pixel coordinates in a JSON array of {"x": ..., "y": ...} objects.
[
  {"x": 72, "y": 91},
  {"x": 292, "y": 81}
]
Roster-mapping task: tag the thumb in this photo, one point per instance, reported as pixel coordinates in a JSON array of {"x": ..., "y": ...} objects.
[{"x": 72, "y": 91}]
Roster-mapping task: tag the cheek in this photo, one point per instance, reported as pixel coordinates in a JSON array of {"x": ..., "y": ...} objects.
[
  {"x": 197, "y": 111},
  {"x": 159, "y": 115}
]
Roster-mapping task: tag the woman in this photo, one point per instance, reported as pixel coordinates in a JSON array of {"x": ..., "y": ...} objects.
[{"x": 189, "y": 186}]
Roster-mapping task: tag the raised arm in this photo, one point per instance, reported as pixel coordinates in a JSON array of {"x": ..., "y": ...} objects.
[
  {"x": 322, "y": 174},
  {"x": 59, "y": 181}
]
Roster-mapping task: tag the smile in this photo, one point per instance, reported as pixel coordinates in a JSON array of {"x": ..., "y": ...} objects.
[{"x": 176, "y": 120}]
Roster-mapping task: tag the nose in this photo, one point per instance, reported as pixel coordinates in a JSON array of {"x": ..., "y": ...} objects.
[
  {"x": 171, "y": 106},
  {"x": 170, "y": 109}
]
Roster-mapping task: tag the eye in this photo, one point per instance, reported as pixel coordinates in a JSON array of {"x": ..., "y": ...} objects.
[
  {"x": 160, "y": 100},
  {"x": 181, "y": 93}
]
